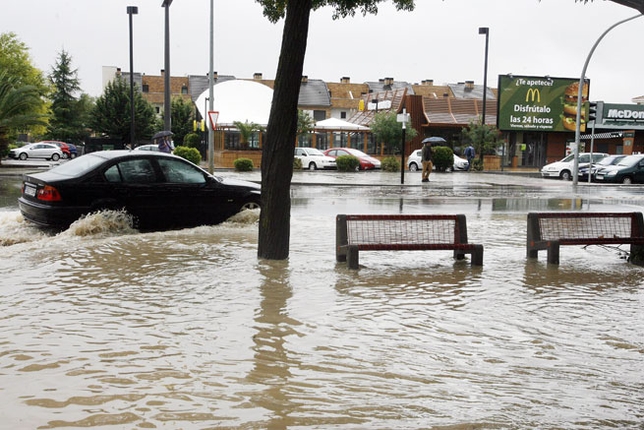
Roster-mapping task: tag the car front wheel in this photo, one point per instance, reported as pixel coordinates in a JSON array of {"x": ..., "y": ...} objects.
[
  {"x": 55, "y": 157},
  {"x": 251, "y": 204},
  {"x": 627, "y": 180}
]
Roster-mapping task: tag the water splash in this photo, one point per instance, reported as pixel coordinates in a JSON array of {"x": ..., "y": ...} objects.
[{"x": 102, "y": 223}]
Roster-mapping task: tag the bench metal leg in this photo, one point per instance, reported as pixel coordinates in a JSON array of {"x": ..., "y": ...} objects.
[
  {"x": 553, "y": 252},
  {"x": 477, "y": 255},
  {"x": 352, "y": 257}
]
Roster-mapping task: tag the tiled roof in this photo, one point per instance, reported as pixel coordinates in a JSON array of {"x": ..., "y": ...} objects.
[
  {"x": 198, "y": 84},
  {"x": 450, "y": 111},
  {"x": 314, "y": 92}
]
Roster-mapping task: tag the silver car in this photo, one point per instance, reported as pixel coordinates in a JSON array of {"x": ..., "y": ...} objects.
[{"x": 47, "y": 151}]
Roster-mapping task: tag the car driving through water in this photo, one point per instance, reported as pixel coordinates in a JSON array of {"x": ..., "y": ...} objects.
[{"x": 160, "y": 191}]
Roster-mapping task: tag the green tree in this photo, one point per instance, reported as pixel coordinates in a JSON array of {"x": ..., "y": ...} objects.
[
  {"x": 111, "y": 113},
  {"x": 246, "y": 130},
  {"x": 17, "y": 65},
  {"x": 485, "y": 138},
  {"x": 181, "y": 114},
  {"x": 278, "y": 149},
  {"x": 70, "y": 113},
  {"x": 387, "y": 129},
  {"x": 19, "y": 105}
]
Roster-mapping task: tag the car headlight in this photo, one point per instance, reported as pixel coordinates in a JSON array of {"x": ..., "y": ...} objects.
[{"x": 611, "y": 173}]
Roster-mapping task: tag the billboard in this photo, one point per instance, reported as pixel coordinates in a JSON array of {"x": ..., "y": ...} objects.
[{"x": 533, "y": 103}]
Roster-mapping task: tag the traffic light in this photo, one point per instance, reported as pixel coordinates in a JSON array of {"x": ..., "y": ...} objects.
[{"x": 592, "y": 111}]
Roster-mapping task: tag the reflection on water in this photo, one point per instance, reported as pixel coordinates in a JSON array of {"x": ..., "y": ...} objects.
[{"x": 103, "y": 326}]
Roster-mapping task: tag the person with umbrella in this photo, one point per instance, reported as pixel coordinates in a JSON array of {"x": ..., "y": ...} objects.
[
  {"x": 426, "y": 158},
  {"x": 163, "y": 140}
]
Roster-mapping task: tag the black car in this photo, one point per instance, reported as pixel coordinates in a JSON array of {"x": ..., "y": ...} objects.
[
  {"x": 584, "y": 170},
  {"x": 161, "y": 191},
  {"x": 630, "y": 170}
]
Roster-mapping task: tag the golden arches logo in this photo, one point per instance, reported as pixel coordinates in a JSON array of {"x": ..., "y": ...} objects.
[{"x": 533, "y": 93}]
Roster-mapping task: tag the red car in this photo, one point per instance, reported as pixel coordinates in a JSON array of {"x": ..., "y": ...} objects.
[{"x": 367, "y": 162}]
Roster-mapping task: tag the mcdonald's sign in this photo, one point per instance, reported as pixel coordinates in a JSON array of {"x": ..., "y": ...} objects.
[
  {"x": 533, "y": 95},
  {"x": 534, "y": 103}
]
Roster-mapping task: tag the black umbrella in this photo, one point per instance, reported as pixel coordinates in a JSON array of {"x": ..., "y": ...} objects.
[
  {"x": 434, "y": 139},
  {"x": 163, "y": 133}
]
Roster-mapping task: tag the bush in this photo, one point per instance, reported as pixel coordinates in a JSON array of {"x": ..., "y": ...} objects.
[
  {"x": 192, "y": 140},
  {"x": 243, "y": 165},
  {"x": 443, "y": 158},
  {"x": 391, "y": 164},
  {"x": 477, "y": 165},
  {"x": 297, "y": 164},
  {"x": 347, "y": 163},
  {"x": 190, "y": 154}
]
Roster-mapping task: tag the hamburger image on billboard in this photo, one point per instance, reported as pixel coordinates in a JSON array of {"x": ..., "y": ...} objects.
[{"x": 570, "y": 102}]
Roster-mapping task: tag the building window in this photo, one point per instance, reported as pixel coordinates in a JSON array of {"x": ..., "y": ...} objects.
[
  {"x": 184, "y": 90},
  {"x": 319, "y": 115},
  {"x": 145, "y": 88},
  {"x": 343, "y": 115}
]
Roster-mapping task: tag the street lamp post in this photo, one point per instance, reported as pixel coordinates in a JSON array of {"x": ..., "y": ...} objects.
[
  {"x": 486, "y": 31},
  {"x": 132, "y": 10},
  {"x": 166, "y": 92},
  {"x": 582, "y": 79}
]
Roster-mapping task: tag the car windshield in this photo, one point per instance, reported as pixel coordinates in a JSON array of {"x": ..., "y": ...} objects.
[
  {"x": 314, "y": 152},
  {"x": 78, "y": 166},
  {"x": 610, "y": 160},
  {"x": 629, "y": 160}
]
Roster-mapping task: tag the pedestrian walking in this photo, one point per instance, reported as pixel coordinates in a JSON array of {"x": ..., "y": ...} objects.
[
  {"x": 426, "y": 160},
  {"x": 470, "y": 153}
]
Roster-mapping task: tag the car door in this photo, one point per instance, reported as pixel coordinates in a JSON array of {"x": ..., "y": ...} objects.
[{"x": 638, "y": 173}]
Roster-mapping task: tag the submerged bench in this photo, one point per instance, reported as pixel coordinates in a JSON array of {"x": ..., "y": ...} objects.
[
  {"x": 550, "y": 230},
  {"x": 356, "y": 233}
]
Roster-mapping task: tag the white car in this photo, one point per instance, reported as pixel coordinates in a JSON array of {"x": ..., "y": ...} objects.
[
  {"x": 147, "y": 148},
  {"x": 47, "y": 151},
  {"x": 414, "y": 162},
  {"x": 314, "y": 159},
  {"x": 563, "y": 168}
]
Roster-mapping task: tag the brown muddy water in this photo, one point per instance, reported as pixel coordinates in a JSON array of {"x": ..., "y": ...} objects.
[{"x": 102, "y": 326}]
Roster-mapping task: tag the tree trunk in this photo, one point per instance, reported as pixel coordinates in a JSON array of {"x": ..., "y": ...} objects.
[{"x": 278, "y": 148}]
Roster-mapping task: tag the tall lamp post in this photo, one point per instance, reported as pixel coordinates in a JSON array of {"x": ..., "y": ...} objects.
[
  {"x": 166, "y": 92},
  {"x": 486, "y": 31},
  {"x": 582, "y": 79},
  {"x": 131, "y": 10}
]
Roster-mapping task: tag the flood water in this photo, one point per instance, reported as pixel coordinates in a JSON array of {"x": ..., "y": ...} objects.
[{"x": 102, "y": 326}]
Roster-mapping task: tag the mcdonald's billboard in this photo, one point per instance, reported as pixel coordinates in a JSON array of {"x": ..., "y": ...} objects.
[{"x": 534, "y": 103}]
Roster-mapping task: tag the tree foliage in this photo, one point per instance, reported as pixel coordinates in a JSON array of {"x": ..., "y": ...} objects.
[
  {"x": 485, "y": 138},
  {"x": 181, "y": 114},
  {"x": 16, "y": 63},
  {"x": 387, "y": 129},
  {"x": 19, "y": 105},
  {"x": 70, "y": 112},
  {"x": 246, "y": 130},
  {"x": 111, "y": 113},
  {"x": 278, "y": 148}
]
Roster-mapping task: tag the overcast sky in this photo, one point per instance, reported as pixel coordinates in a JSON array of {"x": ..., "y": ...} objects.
[{"x": 438, "y": 41}]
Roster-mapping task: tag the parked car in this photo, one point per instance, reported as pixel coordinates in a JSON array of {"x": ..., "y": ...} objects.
[
  {"x": 69, "y": 150},
  {"x": 563, "y": 168},
  {"x": 414, "y": 162},
  {"x": 314, "y": 159},
  {"x": 37, "y": 150},
  {"x": 367, "y": 162},
  {"x": 630, "y": 170},
  {"x": 147, "y": 148},
  {"x": 611, "y": 160},
  {"x": 160, "y": 191}
]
